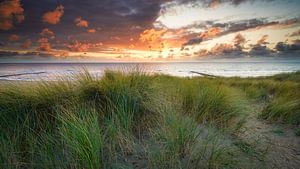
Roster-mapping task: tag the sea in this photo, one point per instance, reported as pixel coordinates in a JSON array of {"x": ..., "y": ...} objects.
[{"x": 227, "y": 68}]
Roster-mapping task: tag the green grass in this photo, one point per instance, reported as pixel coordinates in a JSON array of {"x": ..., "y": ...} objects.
[
  {"x": 297, "y": 132},
  {"x": 135, "y": 120}
]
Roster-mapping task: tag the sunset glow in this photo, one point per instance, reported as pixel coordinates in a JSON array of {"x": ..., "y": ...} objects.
[{"x": 148, "y": 29}]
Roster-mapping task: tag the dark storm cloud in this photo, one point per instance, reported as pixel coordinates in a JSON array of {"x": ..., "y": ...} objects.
[
  {"x": 224, "y": 28},
  {"x": 236, "y": 26},
  {"x": 260, "y": 47},
  {"x": 211, "y": 3},
  {"x": 8, "y": 54},
  {"x": 287, "y": 48},
  {"x": 113, "y": 17},
  {"x": 193, "y": 41},
  {"x": 26, "y": 55}
]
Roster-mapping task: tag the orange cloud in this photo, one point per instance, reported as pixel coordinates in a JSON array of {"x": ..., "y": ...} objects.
[
  {"x": 210, "y": 33},
  {"x": 10, "y": 10},
  {"x": 201, "y": 52},
  {"x": 44, "y": 45},
  {"x": 47, "y": 33},
  {"x": 81, "y": 23},
  {"x": 221, "y": 48},
  {"x": 77, "y": 46},
  {"x": 131, "y": 46},
  {"x": 13, "y": 38},
  {"x": 262, "y": 40},
  {"x": 91, "y": 30},
  {"x": 27, "y": 43},
  {"x": 239, "y": 39},
  {"x": 152, "y": 35},
  {"x": 53, "y": 17},
  {"x": 214, "y": 4}
]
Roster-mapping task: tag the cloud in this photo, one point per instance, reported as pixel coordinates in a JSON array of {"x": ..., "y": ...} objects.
[
  {"x": 225, "y": 49},
  {"x": 193, "y": 41},
  {"x": 297, "y": 33},
  {"x": 239, "y": 40},
  {"x": 260, "y": 50},
  {"x": 206, "y": 35},
  {"x": 27, "y": 43},
  {"x": 4, "y": 54},
  {"x": 220, "y": 29},
  {"x": 53, "y": 17},
  {"x": 47, "y": 33},
  {"x": 262, "y": 40},
  {"x": 44, "y": 45},
  {"x": 237, "y": 49},
  {"x": 128, "y": 19},
  {"x": 77, "y": 46},
  {"x": 260, "y": 47},
  {"x": 10, "y": 11},
  {"x": 151, "y": 35},
  {"x": 210, "y": 33},
  {"x": 81, "y": 22},
  {"x": 91, "y": 30},
  {"x": 201, "y": 53},
  {"x": 212, "y": 3},
  {"x": 285, "y": 47},
  {"x": 13, "y": 38},
  {"x": 222, "y": 48}
]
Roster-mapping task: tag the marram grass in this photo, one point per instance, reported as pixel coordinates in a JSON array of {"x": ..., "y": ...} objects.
[{"x": 135, "y": 120}]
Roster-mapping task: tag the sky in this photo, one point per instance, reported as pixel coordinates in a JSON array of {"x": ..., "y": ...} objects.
[{"x": 148, "y": 30}]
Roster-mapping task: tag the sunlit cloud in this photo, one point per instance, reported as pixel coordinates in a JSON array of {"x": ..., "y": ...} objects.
[
  {"x": 27, "y": 44},
  {"x": 239, "y": 40},
  {"x": 91, "y": 30},
  {"x": 53, "y": 17},
  {"x": 81, "y": 22},
  {"x": 13, "y": 38},
  {"x": 11, "y": 11},
  {"x": 77, "y": 46},
  {"x": 210, "y": 33},
  {"x": 160, "y": 29},
  {"x": 47, "y": 33},
  {"x": 263, "y": 40},
  {"x": 152, "y": 35},
  {"x": 44, "y": 45}
]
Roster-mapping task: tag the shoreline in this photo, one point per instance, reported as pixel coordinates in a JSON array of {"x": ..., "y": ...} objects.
[{"x": 192, "y": 75}]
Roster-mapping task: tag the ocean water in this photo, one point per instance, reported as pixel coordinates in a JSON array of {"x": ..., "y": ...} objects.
[{"x": 55, "y": 71}]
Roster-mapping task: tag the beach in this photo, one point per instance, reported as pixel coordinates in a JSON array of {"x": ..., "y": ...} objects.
[{"x": 226, "y": 68}]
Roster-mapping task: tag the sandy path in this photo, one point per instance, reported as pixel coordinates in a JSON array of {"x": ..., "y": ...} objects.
[{"x": 276, "y": 145}]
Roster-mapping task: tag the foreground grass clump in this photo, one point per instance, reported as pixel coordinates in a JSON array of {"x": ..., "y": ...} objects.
[
  {"x": 285, "y": 104},
  {"x": 297, "y": 132},
  {"x": 179, "y": 142},
  {"x": 80, "y": 131},
  {"x": 135, "y": 120},
  {"x": 205, "y": 101},
  {"x": 278, "y": 95}
]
